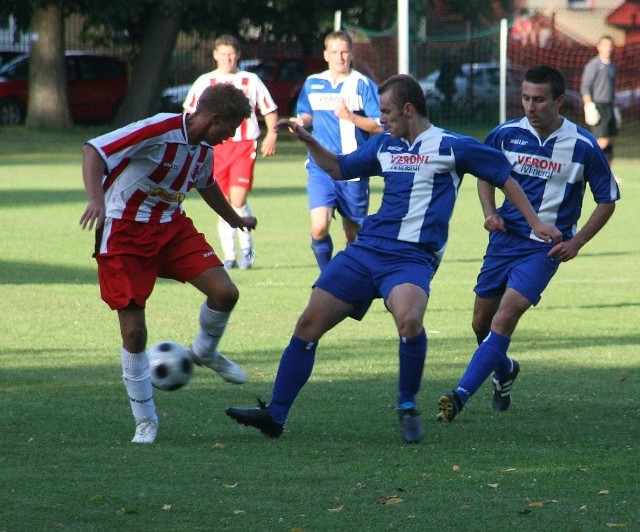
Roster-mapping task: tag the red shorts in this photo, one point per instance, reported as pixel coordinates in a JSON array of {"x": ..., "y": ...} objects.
[
  {"x": 132, "y": 255},
  {"x": 233, "y": 164}
]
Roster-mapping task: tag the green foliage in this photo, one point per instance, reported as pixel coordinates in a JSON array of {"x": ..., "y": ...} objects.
[{"x": 564, "y": 457}]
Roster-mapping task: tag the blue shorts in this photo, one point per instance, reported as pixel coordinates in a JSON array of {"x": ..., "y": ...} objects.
[
  {"x": 350, "y": 198},
  {"x": 518, "y": 263},
  {"x": 370, "y": 268}
]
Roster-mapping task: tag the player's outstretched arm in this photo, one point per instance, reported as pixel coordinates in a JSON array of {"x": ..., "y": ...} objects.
[
  {"x": 214, "y": 197},
  {"x": 547, "y": 232},
  {"x": 92, "y": 172},
  {"x": 326, "y": 159}
]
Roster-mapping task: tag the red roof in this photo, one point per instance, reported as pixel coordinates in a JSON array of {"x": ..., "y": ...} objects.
[{"x": 625, "y": 16}]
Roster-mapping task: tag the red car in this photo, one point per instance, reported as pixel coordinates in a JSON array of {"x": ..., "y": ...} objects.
[
  {"x": 284, "y": 78},
  {"x": 96, "y": 86}
]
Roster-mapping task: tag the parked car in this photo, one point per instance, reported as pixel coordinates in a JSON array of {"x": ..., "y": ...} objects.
[
  {"x": 283, "y": 77},
  {"x": 628, "y": 100},
  {"x": 172, "y": 98},
  {"x": 9, "y": 54},
  {"x": 96, "y": 86},
  {"x": 478, "y": 98}
]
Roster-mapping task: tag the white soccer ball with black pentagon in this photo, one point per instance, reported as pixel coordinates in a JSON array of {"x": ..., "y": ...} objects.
[{"x": 170, "y": 364}]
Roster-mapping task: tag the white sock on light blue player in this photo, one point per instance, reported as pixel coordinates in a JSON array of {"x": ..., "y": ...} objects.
[{"x": 137, "y": 381}]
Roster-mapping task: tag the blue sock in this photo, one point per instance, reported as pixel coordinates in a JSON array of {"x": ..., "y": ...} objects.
[
  {"x": 296, "y": 365},
  {"x": 412, "y": 354},
  {"x": 323, "y": 250},
  {"x": 491, "y": 354}
]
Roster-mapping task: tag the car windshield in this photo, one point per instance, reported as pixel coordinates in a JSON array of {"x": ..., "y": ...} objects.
[
  {"x": 264, "y": 70},
  {"x": 17, "y": 68}
]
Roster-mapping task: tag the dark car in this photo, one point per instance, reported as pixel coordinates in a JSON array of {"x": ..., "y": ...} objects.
[
  {"x": 9, "y": 54},
  {"x": 172, "y": 98},
  {"x": 284, "y": 78},
  {"x": 96, "y": 86}
]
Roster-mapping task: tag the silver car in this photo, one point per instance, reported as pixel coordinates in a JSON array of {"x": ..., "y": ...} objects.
[{"x": 477, "y": 94}]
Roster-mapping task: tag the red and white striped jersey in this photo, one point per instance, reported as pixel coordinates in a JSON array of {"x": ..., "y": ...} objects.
[
  {"x": 150, "y": 167},
  {"x": 252, "y": 87}
]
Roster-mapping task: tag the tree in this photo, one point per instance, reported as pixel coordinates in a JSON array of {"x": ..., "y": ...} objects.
[
  {"x": 156, "y": 49},
  {"x": 47, "y": 82},
  {"x": 153, "y": 27}
]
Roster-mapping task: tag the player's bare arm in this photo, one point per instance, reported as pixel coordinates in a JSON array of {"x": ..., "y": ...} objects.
[
  {"x": 565, "y": 251},
  {"x": 326, "y": 159},
  {"x": 487, "y": 194},
  {"x": 92, "y": 173},
  {"x": 514, "y": 193},
  {"x": 214, "y": 197},
  {"x": 268, "y": 146}
]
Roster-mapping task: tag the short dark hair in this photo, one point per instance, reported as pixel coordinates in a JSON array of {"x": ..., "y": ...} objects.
[
  {"x": 226, "y": 100},
  {"x": 405, "y": 89},
  {"x": 546, "y": 74}
]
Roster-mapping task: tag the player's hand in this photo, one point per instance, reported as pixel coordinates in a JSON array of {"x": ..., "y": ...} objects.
[
  {"x": 295, "y": 126},
  {"x": 342, "y": 111},
  {"x": 268, "y": 146},
  {"x": 548, "y": 232},
  {"x": 494, "y": 222},
  {"x": 247, "y": 223},
  {"x": 93, "y": 215},
  {"x": 564, "y": 251}
]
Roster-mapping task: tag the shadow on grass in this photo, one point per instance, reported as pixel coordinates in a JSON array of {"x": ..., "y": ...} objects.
[
  {"x": 22, "y": 272},
  {"x": 34, "y": 197},
  {"x": 270, "y": 192}
]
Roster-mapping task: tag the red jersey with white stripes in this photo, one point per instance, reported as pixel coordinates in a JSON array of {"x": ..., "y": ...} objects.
[
  {"x": 150, "y": 167},
  {"x": 252, "y": 87}
]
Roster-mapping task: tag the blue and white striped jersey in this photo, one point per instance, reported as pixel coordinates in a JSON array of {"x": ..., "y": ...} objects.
[
  {"x": 320, "y": 97},
  {"x": 553, "y": 173},
  {"x": 421, "y": 182}
]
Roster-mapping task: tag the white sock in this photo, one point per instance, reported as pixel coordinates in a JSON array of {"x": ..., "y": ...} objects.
[
  {"x": 227, "y": 236},
  {"x": 212, "y": 326},
  {"x": 137, "y": 381},
  {"x": 244, "y": 237}
]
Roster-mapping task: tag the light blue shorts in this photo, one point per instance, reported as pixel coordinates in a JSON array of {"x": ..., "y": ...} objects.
[{"x": 349, "y": 198}]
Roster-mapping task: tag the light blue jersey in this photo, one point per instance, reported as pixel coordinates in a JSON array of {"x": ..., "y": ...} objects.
[
  {"x": 553, "y": 173},
  {"x": 320, "y": 97},
  {"x": 421, "y": 182}
]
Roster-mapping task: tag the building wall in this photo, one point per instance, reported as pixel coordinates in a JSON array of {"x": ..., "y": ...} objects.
[{"x": 586, "y": 24}]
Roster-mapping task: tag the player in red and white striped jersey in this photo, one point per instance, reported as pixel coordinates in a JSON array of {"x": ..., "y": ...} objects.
[
  {"x": 136, "y": 179},
  {"x": 236, "y": 158}
]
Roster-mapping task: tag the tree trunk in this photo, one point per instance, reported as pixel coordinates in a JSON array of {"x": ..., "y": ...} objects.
[
  {"x": 48, "y": 107},
  {"x": 149, "y": 70}
]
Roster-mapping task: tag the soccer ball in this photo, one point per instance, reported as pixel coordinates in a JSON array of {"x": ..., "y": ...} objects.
[{"x": 171, "y": 365}]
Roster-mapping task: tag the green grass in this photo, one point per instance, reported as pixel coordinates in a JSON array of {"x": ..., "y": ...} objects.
[{"x": 564, "y": 457}]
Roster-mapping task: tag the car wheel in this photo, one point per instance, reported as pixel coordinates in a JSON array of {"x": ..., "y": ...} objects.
[{"x": 12, "y": 112}]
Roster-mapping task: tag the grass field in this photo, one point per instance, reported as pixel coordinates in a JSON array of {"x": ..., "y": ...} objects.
[{"x": 566, "y": 456}]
